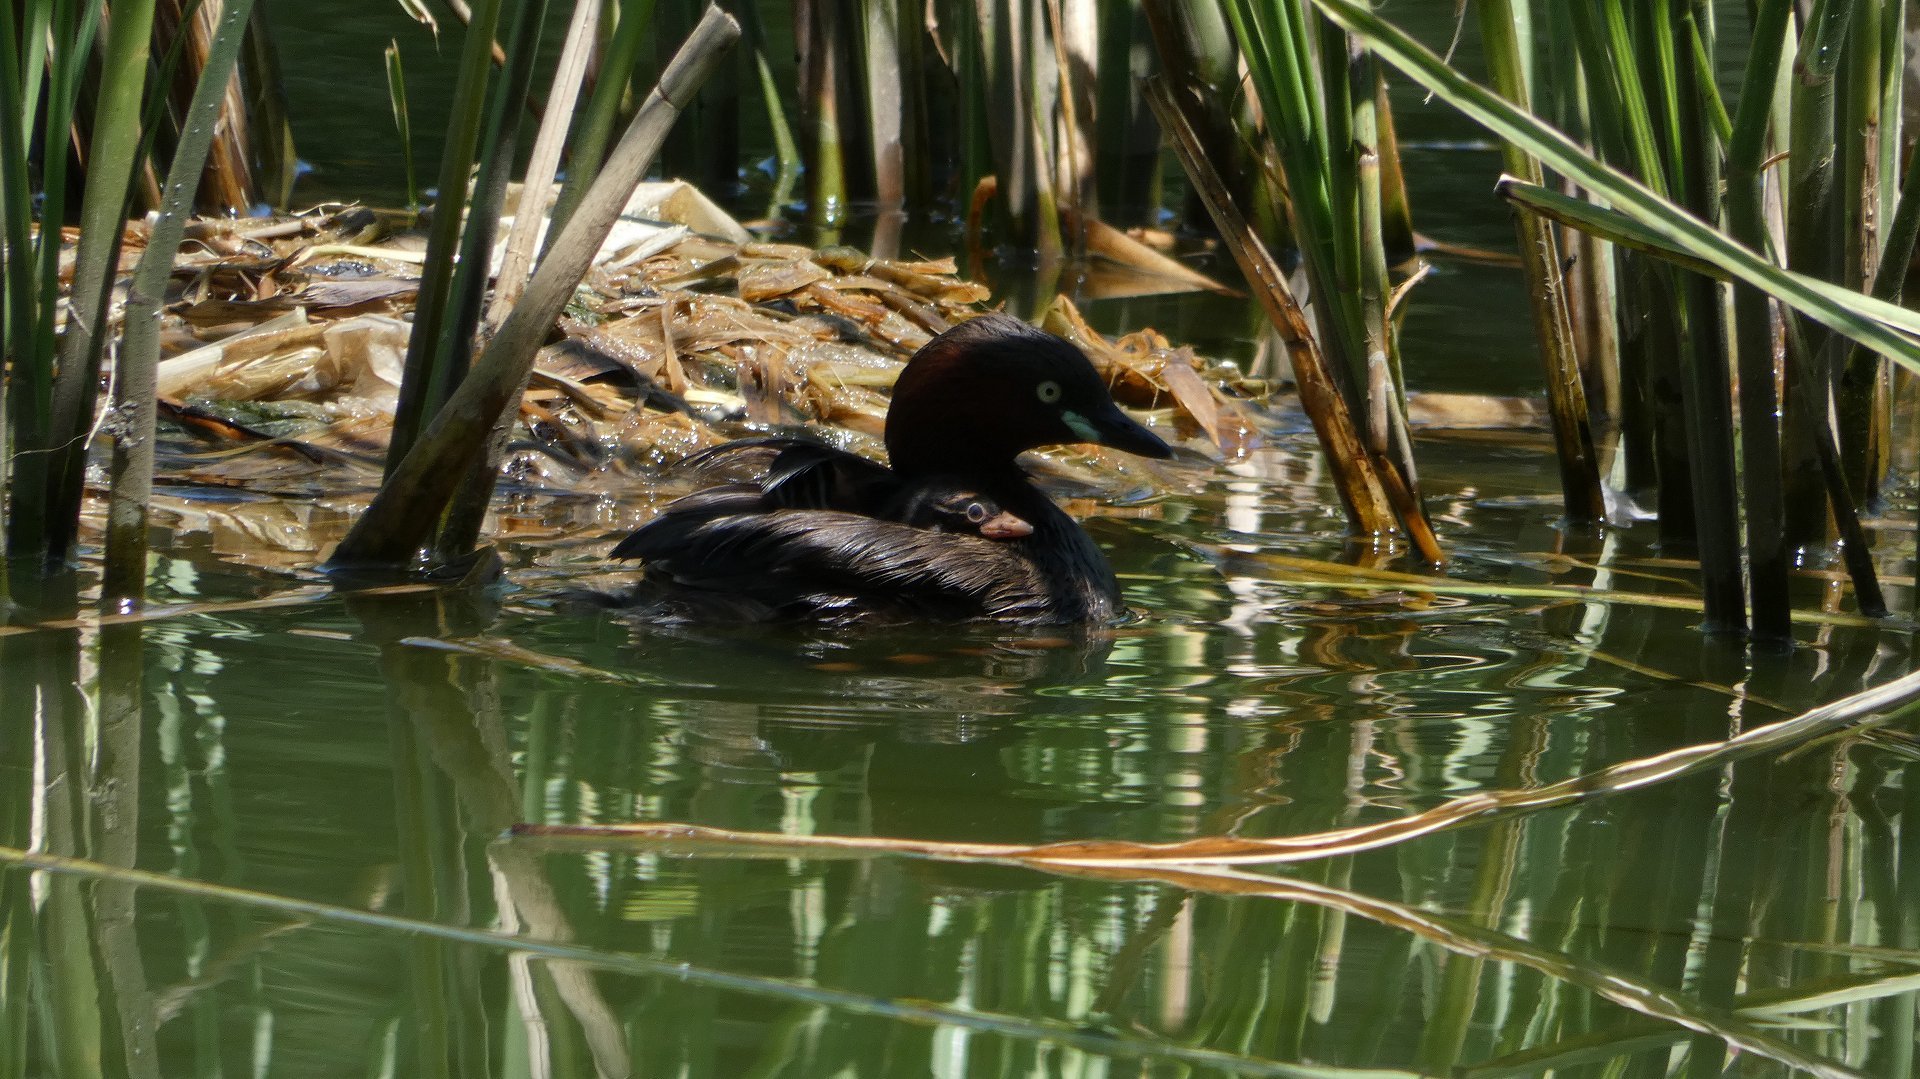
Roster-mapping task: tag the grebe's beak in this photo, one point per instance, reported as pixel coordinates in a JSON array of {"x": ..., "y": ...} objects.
[{"x": 1111, "y": 427}]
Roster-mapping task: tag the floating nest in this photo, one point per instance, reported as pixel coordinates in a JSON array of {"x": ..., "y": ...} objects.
[{"x": 286, "y": 341}]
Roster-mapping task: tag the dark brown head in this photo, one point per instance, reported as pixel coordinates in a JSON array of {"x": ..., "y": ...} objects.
[
  {"x": 946, "y": 505},
  {"x": 993, "y": 387}
]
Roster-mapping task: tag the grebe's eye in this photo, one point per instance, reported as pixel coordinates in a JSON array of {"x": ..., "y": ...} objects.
[
  {"x": 1048, "y": 391},
  {"x": 977, "y": 513}
]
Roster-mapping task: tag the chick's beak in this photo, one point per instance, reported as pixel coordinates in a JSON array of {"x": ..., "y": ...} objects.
[
  {"x": 1111, "y": 427},
  {"x": 1004, "y": 525}
]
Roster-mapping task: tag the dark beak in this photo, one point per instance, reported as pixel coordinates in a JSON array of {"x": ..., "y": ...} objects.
[{"x": 1112, "y": 427}]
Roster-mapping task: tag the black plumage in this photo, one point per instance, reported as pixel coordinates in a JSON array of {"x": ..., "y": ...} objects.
[{"x": 805, "y": 530}]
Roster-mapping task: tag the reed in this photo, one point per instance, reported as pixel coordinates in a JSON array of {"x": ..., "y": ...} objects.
[
  {"x": 402, "y": 119},
  {"x": 54, "y": 379},
  {"x": 587, "y": 149},
  {"x": 431, "y": 371},
  {"x": 1321, "y": 108},
  {"x": 452, "y": 454},
  {"x": 130, "y": 467},
  {"x": 1541, "y": 260},
  {"x": 1680, "y": 228}
]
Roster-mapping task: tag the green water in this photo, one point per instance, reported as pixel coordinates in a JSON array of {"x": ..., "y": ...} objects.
[
  {"x": 333, "y": 757},
  {"x": 373, "y": 754}
]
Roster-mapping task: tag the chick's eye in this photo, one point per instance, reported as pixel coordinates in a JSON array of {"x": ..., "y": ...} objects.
[
  {"x": 1048, "y": 391},
  {"x": 976, "y": 512}
]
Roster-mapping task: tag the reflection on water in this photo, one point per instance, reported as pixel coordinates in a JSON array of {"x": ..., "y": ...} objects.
[{"x": 375, "y": 753}]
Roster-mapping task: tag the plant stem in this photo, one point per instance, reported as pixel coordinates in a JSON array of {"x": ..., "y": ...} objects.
[
  {"x": 130, "y": 468},
  {"x": 1582, "y": 496},
  {"x": 111, "y": 161},
  {"x": 399, "y": 523},
  {"x": 423, "y": 385},
  {"x": 1754, "y": 334}
]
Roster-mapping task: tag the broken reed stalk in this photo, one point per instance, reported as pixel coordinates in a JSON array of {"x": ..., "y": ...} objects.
[
  {"x": 404, "y": 516},
  {"x": 537, "y": 184},
  {"x": 130, "y": 469},
  {"x": 1582, "y": 494},
  {"x": 1355, "y": 476}
]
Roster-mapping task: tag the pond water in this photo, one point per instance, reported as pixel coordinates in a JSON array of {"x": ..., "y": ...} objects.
[{"x": 330, "y": 798}]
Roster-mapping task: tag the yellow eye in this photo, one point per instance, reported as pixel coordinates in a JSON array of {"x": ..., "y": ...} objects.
[{"x": 1049, "y": 391}]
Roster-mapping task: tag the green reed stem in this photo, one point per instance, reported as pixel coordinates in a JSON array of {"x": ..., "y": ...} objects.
[
  {"x": 589, "y": 148},
  {"x": 1762, "y": 483},
  {"x": 1814, "y": 246},
  {"x": 886, "y": 96},
  {"x": 819, "y": 81},
  {"x": 404, "y": 516},
  {"x": 1582, "y": 496},
  {"x": 786, "y": 151},
  {"x": 33, "y": 269},
  {"x": 1707, "y": 401},
  {"x": 402, "y": 120},
  {"x": 1863, "y": 389},
  {"x": 134, "y": 390},
  {"x": 425, "y": 384},
  {"x": 112, "y": 158}
]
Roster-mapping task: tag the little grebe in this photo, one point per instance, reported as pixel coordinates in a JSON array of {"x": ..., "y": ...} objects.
[{"x": 953, "y": 530}]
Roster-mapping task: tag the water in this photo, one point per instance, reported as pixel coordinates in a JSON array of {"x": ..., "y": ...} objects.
[
  {"x": 377, "y": 754},
  {"x": 374, "y": 755}
]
